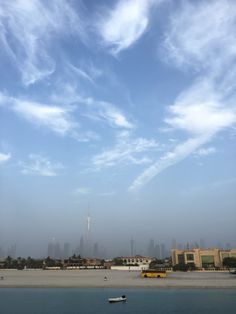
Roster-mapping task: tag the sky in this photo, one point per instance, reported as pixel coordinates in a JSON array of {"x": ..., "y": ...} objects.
[{"x": 124, "y": 110}]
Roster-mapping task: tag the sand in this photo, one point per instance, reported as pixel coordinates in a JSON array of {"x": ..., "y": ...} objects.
[{"x": 115, "y": 279}]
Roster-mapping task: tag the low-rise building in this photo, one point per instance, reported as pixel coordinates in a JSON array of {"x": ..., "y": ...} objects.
[
  {"x": 136, "y": 260},
  {"x": 201, "y": 258},
  {"x": 136, "y": 263}
]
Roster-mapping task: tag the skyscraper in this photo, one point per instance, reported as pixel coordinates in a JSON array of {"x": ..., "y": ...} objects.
[
  {"x": 132, "y": 247},
  {"x": 151, "y": 248},
  {"x": 88, "y": 236}
]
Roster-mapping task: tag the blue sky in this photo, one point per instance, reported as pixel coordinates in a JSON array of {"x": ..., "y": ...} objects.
[{"x": 125, "y": 107}]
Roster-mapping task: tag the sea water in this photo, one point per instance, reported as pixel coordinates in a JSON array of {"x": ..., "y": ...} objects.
[{"x": 88, "y": 301}]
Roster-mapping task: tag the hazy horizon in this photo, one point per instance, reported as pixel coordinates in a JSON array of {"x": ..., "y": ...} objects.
[{"x": 124, "y": 110}]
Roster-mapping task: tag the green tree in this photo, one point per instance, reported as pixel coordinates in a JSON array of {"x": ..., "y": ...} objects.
[
  {"x": 230, "y": 262},
  {"x": 184, "y": 267},
  {"x": 118, "y": 261}
]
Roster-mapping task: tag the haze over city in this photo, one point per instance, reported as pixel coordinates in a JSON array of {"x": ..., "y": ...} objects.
[{"x": 121, "y": 110}]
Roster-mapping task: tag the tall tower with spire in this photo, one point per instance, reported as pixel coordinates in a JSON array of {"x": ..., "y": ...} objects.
[{"x": 88, "y": 235}]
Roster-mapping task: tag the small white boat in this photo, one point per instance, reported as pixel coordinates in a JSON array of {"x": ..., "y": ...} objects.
[{"x": 118, "y": 299}]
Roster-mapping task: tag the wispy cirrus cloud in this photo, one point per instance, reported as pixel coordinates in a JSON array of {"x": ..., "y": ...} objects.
[
  {"x": 127, "y": 151},
  {"x": 205, "y": 151},
  {"x": 107, "y": 113},
  {"x": 56, "y": 118},
  {"x": 41, "y": 166},
  {"x": 199, "y": 120},
  {"x": 123, "y": 25},
  {"x": 53, "y": 117},
  {"x": 96, "y": 110},
  {"x": 28, "y": 29},
  {"x": 82, "y": 73},
  {"x": 86, "y": 71},
  {"x": 169, "y": 159},
  {"x": 197, "y": 39},
  {"x": 4, "y": 157},
  {"x": 60, "y": 118},
  {"x": 201, "y": 35}
]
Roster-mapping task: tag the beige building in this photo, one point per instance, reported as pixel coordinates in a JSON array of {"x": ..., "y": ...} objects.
[{"x": 202, "y": 258}]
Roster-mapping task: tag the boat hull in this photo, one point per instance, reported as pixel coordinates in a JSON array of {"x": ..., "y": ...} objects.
[{"x": 115, "y": 300}]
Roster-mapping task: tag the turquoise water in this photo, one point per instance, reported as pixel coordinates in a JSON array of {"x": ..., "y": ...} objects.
[{"x": 88, "y": 301}]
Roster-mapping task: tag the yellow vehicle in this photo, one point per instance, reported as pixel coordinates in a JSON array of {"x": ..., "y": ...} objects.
[{"x": 153, "y": 273}]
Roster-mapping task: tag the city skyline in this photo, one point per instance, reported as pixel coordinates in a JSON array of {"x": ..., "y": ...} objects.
[{"x": 128, "y": 106}]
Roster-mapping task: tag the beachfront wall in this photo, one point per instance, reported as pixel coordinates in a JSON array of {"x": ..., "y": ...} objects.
[
  {"x": 201, "y": 258},
  {"x": 130, "y": 268}
]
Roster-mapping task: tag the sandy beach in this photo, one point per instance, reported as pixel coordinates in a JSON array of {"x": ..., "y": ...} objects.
[{"x": 115, "y": 279}]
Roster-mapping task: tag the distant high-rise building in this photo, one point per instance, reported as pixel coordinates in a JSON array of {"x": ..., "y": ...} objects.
[
  {"x": 95, "y": 250},
  {"x": 132, "y": 247},
  {"x": 158, "y": 251},
  {"x": 58, "y": 254},
  {"x": 88, "y": 236},
  {"x": 66, "y": 250},
  {"x": 174, "y": 244},
  {"x": 151, "y": 248},
  {"x": 81, "y": 247},
  {"x": 163, "y": 251},
  {"x": 50, "y": 252}
]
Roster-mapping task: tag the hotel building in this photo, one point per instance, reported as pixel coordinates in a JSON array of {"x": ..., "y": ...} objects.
[{"x": 201, "y": 258}]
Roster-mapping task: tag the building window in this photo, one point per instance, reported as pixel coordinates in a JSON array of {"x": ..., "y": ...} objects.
[
  {"x": 224, "y": 255},
  {"x": 181, "y": 259},
  {"x": 190, "y": 257},
  {"x": 207, "y": 261}
]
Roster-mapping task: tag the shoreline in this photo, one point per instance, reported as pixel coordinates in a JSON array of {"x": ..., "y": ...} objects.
[{"x": 115, "y": 279}]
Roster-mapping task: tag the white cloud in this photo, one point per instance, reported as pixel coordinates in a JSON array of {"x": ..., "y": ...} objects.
[
  {"x": 127, "y": 150},
  {"x": 125, "y": 23},
  {"x": 82, "y": 73},
  {"x": 55, "y": 118},
  {"x": 169, "y": 159},
  {"x": 82, "y": 190},
  {"x": 93, "y": 109},
  {"x": 28, "y": 29},
  {"x": 4, "y": 157},
  {"x": 205, "y": 151},
  {"x": 59, "y": 119},
  {"x": 86, "y": 71},
  {"x": 107, "y": 112},
  {"x": 201, "y": 36},
  {"x": 198, "y": 113},
  {"x": 200, "y": 109},
  {"x": 40, "y": 165}
]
